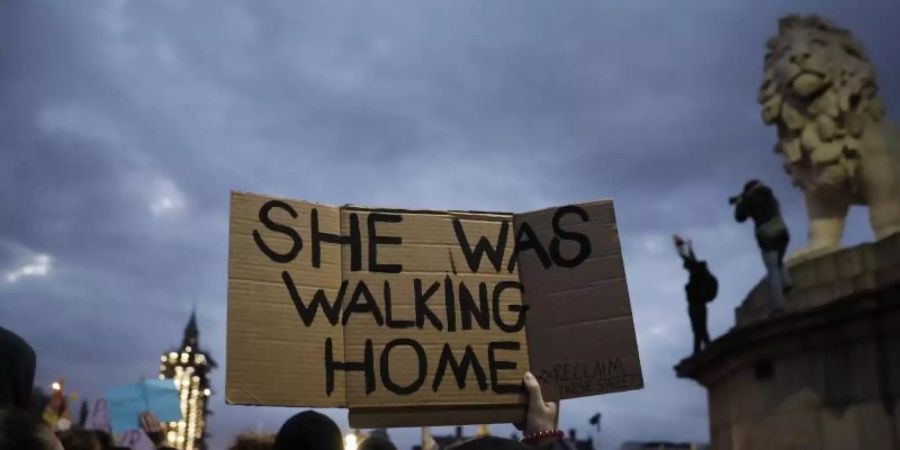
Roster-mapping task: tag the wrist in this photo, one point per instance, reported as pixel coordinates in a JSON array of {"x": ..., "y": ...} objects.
[{"x": 537, "y": 437}]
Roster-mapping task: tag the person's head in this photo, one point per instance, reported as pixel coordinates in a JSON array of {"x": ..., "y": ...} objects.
[
  {"x": 377, "y": 443},
  {"x": 17, "y": 363},
  {"x": 18, "y": 431},
  {"x": 105, "y": 439},
  {"x": 78, "y": 439},
  {"x": 750, "y": 185},
  {"x": 253, "y": 441},
  {"x": 489, "y": 443},
  {"x": 309, "y": 430}
]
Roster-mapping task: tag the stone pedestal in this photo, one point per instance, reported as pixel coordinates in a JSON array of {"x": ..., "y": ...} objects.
[{"x": 826, "y": 374}]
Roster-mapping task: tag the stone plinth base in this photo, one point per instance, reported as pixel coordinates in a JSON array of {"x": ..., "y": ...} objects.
[
  {"x": 827, "y": 278},
  {"x": 826, "y": 375}
]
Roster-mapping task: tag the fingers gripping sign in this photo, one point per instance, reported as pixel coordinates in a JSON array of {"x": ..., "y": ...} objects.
[{"x": 542, "y": 417}]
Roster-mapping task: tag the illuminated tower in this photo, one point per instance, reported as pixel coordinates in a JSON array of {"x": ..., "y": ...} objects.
[{"x": 190, "y": 368}]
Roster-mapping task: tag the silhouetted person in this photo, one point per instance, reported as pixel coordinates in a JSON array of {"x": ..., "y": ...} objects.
[
  {"x": 17, "y": 362},
  {"x": 253, "y": 441},
  {"x": 309, "y": 430},
  {"x": 491, "y": 443},
  {"x": 79, "y": 439},
  {"x": 20, "y": 431},
  {"x": 105, "y": 439},
  {"x": 701, "y": 288},
  {"x": 758, "y": 202},
  {"x": 377, "y": 443}
]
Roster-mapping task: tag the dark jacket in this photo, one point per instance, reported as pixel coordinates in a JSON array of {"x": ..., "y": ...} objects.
[
  {"x": 17, "y": 362},
  {"x": 759, "y": 204}
]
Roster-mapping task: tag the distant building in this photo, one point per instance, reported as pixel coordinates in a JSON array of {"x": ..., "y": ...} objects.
[
  {"x": 587, "y": 444},
  {"x": 441, "y": 442},
  {"x": 190, "y": 368},
  {"x": 450, "y": 439},
  {"x": 663, "y": 446}
]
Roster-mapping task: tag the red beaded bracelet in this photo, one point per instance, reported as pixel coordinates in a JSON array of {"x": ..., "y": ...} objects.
[{"x": 556, "y": 434}]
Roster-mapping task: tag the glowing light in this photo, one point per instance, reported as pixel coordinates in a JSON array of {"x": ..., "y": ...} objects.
[
  {"x": 56, "y": 386},
  {"x": 162, "y": 358},
  {"x": 350, "y": 441},
  {"x": 189, "y": 370}
]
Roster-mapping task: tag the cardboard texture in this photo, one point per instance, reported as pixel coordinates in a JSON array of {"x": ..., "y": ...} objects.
[
  {"x": 414, "y": 318},
  {"x": 580, "y": 332}
]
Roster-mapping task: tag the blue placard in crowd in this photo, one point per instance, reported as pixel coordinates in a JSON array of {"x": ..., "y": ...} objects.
[{"x": 126, "y": 403}]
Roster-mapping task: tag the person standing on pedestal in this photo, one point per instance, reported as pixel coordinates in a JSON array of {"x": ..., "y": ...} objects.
[
  {"x": 758, "y": 202},
  {"x": 701, "y": 288}
]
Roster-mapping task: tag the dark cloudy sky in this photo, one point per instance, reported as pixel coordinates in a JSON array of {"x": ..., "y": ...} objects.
[{"x": 124, "y": 124}]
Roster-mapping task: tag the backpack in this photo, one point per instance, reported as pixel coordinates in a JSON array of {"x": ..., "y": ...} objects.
[
  {"x": 703, "y": 285},
  {"x": 709, "y": 285}
]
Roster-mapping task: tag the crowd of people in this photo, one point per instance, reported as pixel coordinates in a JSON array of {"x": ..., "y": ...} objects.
[{"x": 307, "y": 430}]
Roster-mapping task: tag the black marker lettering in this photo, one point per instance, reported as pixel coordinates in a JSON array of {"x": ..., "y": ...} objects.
[
  {"x": 468, "y": 310},
  {"x": 460, "y": 369},
  {"x": 389, "y": 311},
  {"x": 375, "y": 239},
  {"x": 370, "y": 306},
  {"x": 496, "y": 366},
  {"x": 584, "y": 243},
  {"x": 422, "y": 310},
  {"x": 515, "y": 307},
  {"x": 318, "y": 237},
  {"x": 284, "y": 229},
  {"x": 450, "y": 302},
  {"x": 473, "y": 257},
  {"x": 308, "y": 314},
  {"x": 386, "y": 371},
  {"x": 531, "y": 242},
  {"x": 367, "y": 367}
]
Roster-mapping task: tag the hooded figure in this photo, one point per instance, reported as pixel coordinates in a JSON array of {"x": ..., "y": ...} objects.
[{"x": 17, "y": 362}]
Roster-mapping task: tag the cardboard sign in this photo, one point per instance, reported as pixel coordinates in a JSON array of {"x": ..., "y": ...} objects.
[
  {"x": 424, "y": 317},
  {"x": 126, "y": 403}
]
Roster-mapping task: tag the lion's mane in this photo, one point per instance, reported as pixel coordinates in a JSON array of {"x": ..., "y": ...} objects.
[{"x": 821, "y": 93}]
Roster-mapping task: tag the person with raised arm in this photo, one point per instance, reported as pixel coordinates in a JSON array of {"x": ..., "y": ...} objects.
[{"x": 701, "y": 288}]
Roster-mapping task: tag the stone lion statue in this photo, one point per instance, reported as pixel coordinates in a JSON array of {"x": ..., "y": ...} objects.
[{"x": 821, "y": 93}]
